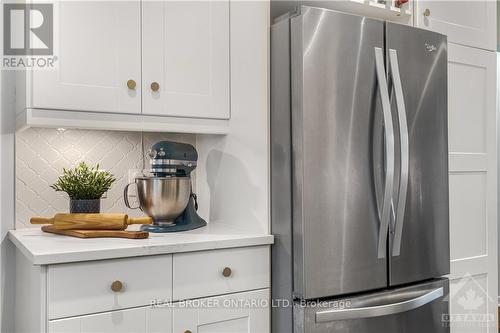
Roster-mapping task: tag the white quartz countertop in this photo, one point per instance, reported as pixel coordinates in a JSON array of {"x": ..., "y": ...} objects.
[{"x": 43, "y": 248}]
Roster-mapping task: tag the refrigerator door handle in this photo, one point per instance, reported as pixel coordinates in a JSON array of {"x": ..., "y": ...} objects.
[
  {"x": 405, "y": 152},
  {"x": 389, "y": 153},
  {"x": 405, "y": 305}
]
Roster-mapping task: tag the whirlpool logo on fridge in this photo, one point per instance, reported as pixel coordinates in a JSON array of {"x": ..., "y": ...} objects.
[
  {"x": 28, "y": 36},
  {"x": 430, "y": 47}
]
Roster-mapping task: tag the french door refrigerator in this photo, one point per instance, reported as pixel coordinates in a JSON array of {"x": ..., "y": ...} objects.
[{"x": 359, "y": 163}]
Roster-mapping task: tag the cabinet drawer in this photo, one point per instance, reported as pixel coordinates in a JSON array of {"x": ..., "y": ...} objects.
[
  {"x": 208, "y": 273},
  {"x": 137, "y": 320},
  {"x": 86, "y": 287}
]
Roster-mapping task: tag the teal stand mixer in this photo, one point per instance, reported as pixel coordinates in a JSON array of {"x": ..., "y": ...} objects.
[{"x": 166, "y": 195}]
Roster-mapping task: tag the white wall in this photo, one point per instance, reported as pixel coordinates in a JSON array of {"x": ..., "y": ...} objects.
[
  {"x": 7, "y": 268},
  {"x": 232, "y": 181}
]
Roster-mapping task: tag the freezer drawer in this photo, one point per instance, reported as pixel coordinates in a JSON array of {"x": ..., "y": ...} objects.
[{"x": 414, "y": 309}]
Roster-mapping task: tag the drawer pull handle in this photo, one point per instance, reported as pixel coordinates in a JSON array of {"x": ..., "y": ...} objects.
[
  {"x": 131, "y": 84},
  {"x": 117, "y": 286},
  {"x": 226, "y": 272},
  {"x": 155, "y": 86},
  {"x": 427, "y": 12}
]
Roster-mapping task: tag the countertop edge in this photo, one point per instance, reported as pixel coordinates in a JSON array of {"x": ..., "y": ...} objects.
[
  {"x": 104, "y": 254},
  {"x": 21, "y": 247}
]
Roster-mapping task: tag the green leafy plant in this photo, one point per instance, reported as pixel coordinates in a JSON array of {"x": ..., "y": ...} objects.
[{"x": 84, "y": 182}]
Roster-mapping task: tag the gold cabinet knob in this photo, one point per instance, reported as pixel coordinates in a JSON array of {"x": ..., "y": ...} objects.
[
  {"x": 117, "y": 286},
  {"x": 187, "y": 331},
  {"x": 155, "y": 86},
  {"x": 131, "y": 84},
  {"x": 226, "y": 272},
  {"x": 427, "y": 12}
]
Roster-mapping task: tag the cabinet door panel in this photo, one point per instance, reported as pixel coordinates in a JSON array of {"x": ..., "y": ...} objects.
[
  {"x": 236, "y": 313},
  {"x": 140, "y": 320},
  {"x": 471, "y": 23},
  {"x": 186, "y": 51},
  {"x": 99, "y": 50},
  {"x": 472, "y": 117}
]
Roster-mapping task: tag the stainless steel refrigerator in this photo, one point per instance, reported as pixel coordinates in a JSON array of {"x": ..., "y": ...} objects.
[{"x": 359, "y": 163}]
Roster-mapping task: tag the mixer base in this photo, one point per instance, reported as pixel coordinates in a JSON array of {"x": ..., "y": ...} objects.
[
  {"x": 188, "y": 220},
  {"x": 172, "y": 227}
]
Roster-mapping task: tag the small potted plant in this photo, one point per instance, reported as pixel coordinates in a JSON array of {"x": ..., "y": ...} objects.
[{"x": 85, "y": 186}]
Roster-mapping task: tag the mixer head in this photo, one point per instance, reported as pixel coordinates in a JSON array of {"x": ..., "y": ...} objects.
[{"x": 169, "y": 158}]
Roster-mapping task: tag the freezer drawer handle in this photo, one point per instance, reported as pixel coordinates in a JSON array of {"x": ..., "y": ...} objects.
[
  {"x": 405, "y": 152},
  {"x": 389, "y": 153},
  {"x": 379, "y": 310}
]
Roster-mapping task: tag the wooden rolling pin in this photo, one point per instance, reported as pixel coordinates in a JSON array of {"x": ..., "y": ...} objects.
[{"x": 90, "y": 221}]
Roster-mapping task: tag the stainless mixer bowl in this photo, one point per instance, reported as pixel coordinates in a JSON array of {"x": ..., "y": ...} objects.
[{"x": 162, "y": 198}]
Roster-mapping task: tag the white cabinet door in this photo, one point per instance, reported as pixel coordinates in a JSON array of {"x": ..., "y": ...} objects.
[
  {"x": 99, "y": 51},
  {"x": 139, "y": 320},
  {"x": 471, "y": 23},
  {"x": 473, "y": 189},
  {"x": 185, "y": 60},
  {"x": 237, "y": 313}
]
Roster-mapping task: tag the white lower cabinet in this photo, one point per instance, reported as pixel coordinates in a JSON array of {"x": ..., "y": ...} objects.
[{"x": 216, "y": 291}]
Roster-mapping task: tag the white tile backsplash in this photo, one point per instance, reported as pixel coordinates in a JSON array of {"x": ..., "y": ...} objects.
[{"x": 41, "y": 154}]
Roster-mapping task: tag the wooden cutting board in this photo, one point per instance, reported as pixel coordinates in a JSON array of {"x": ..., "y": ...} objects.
[{"x": 97, "y": 233}]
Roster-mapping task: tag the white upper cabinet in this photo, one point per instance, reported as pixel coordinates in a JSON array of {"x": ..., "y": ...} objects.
[
  {"x": 185, "y": 59},
  {"x": 470, "y": 23},
  {"x": 99, "y": 52},
  {"x": 135, "y": 58}
]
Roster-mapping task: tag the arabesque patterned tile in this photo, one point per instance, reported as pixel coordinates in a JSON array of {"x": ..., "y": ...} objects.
[{"x": 41, "y": 154}]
